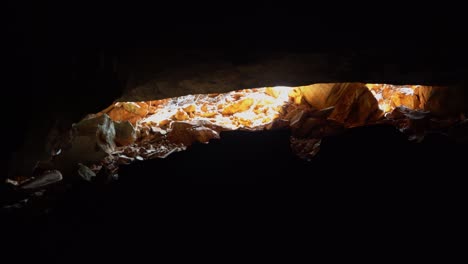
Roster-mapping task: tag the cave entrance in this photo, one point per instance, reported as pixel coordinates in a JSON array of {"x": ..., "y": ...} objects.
[
  {"x": 126, "y": 132},
  {"x": 129, "y": 131}
]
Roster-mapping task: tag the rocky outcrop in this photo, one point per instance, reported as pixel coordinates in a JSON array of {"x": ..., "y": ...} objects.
[
  {"x": 191, "y": 76},
  {"x": 354, "y": 104},
  {"x": 157, "y": 79},
  {"x": 443, "y": 101}
]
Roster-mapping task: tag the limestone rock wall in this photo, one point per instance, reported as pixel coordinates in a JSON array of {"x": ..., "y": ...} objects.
[
  {"x": 162, "y": 78},
  {"x": 354, "y": 103}
]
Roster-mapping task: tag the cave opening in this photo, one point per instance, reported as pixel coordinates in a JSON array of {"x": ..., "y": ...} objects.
[
  {"x": 99, "y": 189},
  {"x": 136, "y": 131}
]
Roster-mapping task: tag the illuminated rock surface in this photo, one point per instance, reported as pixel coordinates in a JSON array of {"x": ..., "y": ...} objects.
[
  {"x": 71, "y": 60},
  {"x": 126, "y": 132}
]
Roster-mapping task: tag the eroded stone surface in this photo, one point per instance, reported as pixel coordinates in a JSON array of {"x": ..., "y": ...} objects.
[
  {"x": 129, "y": 131},
  {"x": 354, "y": 104}
]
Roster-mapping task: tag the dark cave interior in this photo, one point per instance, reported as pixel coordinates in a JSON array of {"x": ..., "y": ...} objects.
[{"x": 67, "y": 61}]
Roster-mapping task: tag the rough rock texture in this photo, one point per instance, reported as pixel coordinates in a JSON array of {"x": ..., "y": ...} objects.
[
  {"x": 444, "y": 100},
  {"x": 280, "y": 69},
  {"x": 125, "y": 133},
  {"x": 75, "y": 59},
  {"x": 354, "y": 103},
  {"x": 172, "y": 74},
  {"x": 312, "y": 113},
  {"x": 93, "y": 140},
  {"x": 66, "y": 66}
]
